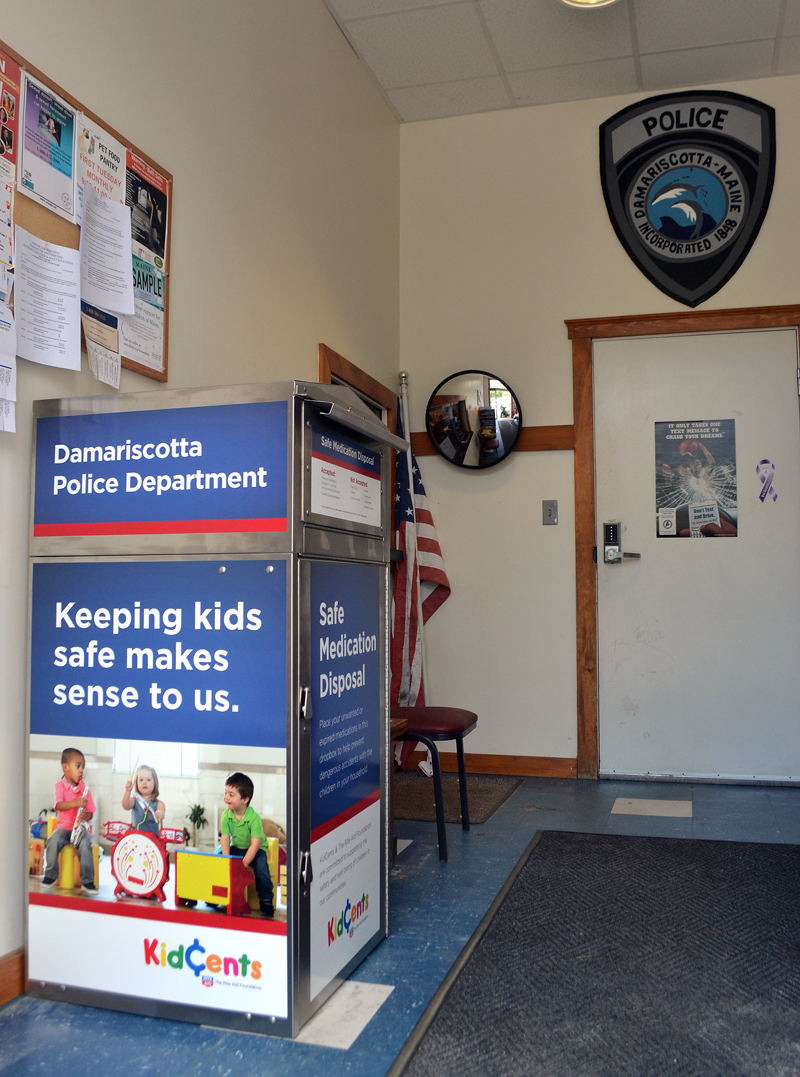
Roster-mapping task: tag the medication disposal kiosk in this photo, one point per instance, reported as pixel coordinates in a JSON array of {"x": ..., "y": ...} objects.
[{"x": 209, "y": 593}]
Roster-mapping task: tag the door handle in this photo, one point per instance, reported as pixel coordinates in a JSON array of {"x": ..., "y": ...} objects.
[
  {"x": 612, "y": 545},
  {"x": 306, "y": 871}
]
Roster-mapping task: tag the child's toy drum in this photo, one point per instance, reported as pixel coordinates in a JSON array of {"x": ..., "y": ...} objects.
[{"x": 140, "y": 864}]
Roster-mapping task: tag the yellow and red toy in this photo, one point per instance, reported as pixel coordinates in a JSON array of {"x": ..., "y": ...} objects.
[{"x": 218, "y": 879}]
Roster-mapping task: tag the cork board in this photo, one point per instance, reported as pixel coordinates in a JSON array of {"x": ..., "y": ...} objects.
[{"x": 142, "y": 175}]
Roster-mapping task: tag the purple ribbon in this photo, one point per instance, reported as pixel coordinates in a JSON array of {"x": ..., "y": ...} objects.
[{"x": 766, "y": 472}]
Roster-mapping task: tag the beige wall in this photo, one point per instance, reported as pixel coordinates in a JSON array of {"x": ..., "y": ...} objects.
[
  {"x": 504, "y": 234},
  {"x": 284, "y": 234}
]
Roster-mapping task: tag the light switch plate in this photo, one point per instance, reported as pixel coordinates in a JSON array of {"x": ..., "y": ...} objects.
[{"x": 549, "y": 512}]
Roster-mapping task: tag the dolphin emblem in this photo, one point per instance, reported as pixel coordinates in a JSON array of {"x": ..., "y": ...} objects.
[{"x": 690, "y": 206}]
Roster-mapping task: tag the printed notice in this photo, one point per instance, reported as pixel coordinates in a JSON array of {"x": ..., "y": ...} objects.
[
  {"x": 143, "y": 335},
  {"x": 345, "y": 479},
  {"x": 8, "y": 337},
  {"x": 696, "y": 487},
  {"x": 101, "y": 163},
  {"x": 47, "y": 302},
  {"x": 9, "y": 108},
  {"x": 47, "y": 165},
  {"x": 106, "y": 260},
  {"x": 8, "y": 416},
  {"x": 345, "y": 893},
  {"x": 146, "y": 194},
  {"x": 6, "y": 213},
  {"x": 8, "y": 356},
  {"x": 104, "y": 364},
  {"x": 8, "y": 378}
]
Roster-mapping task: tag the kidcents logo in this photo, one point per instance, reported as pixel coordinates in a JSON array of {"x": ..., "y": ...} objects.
[
  {"x": 346, "y": 923},
  {"x": 156, "y": 953}
]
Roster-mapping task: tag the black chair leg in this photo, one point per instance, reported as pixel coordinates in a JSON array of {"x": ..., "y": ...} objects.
[
  {"x": 437, "y": 791},
  {"x": 462, "y": 783}
]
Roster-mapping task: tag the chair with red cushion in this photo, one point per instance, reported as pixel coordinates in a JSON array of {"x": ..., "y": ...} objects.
[{"x": 431, "y": 724}]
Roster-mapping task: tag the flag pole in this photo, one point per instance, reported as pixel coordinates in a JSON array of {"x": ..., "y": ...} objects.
[{"x": 409, "y": 462}]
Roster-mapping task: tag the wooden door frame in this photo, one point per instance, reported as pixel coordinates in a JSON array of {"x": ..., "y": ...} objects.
[{"x": 583, "y": 332}]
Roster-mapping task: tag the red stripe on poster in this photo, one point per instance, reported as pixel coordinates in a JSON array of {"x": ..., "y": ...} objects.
[
  {"x": 342, "y": 817},
  {"x": 173, "y": 916},
  {"x": 159, "y": 527},
  {"x": 350, "y": 467}
]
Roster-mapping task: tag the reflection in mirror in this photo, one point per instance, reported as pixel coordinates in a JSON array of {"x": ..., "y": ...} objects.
[{"x": 473, "y": 419}]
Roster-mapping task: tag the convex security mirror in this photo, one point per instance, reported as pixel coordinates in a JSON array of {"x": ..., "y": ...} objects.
[{"x": 473, "y": 419}]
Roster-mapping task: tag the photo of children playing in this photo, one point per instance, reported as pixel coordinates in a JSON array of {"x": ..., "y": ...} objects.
[
  {"x": 74, "y": 809},
  {"x": 114, "y": 827}
]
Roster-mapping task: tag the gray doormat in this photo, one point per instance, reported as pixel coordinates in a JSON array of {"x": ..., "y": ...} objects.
[
  {"x": 413, "y": 796},
  {"x": 610, "y": 956}
]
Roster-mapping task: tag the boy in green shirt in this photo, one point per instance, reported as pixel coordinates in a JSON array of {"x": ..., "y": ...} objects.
[{"x": 243, "y": 836}]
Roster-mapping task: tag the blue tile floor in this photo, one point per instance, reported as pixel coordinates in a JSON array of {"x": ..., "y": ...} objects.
[{"x": 434, "y": 909}]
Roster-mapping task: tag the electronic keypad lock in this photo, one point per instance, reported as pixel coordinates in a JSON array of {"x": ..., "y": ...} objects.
[
  {"x": 612, "y": 553},
  {"x": 612, "y": 543}
]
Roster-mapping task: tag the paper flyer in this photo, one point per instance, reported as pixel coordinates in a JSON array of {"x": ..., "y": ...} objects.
[
  {"x": 101, "y": 163},
  {"x": 143, "y": 335},
  {"x": 146, "y": 194},
  {"x": 6, "y": 213},
  {"x": 8, "y": 353},
  {"x": 8, "y": 377},
  {"x": 8, "y": 416},
  {"x": 106, "y": 254},
  {"x": 9, "y": 107},
  {"x": 47, "y": 159},
  {"x": 696, "y": 485},
  {"x": 104, "y": 365},
  {"x": 101, "y": 329},
  {"x": 47, "y": 302},
  {"x": 148, "y": 283}
]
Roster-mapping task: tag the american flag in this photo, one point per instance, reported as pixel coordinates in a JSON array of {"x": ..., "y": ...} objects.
[{"x": 422, "y": 560}]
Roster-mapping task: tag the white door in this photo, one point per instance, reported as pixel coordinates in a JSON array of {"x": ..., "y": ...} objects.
[{"x": 699, "y": 640}]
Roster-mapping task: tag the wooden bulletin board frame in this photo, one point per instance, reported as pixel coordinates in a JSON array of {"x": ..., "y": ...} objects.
[{"x": 48, "y": 226}]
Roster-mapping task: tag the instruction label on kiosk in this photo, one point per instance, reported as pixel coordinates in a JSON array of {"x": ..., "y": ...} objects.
[
  {"x": 345, "y": 479},
  {"x": 176, "y": 471},
  {"x": 345, "y": 764}
]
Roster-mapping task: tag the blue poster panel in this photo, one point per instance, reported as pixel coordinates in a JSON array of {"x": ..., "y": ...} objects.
[
  {"x": 160, "y": 650},
  {"x": 177, "y": 471},
  {"x": 158, "y": 727},
  {"x": 344, "y": 787},
  {"x": 345, "y": 687}
]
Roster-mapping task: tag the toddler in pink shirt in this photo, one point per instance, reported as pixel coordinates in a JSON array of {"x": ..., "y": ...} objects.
[{"x": 70, "y": 796}]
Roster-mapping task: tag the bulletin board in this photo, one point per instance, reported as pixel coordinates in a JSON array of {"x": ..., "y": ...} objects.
[{"x": 138, "y": 181}]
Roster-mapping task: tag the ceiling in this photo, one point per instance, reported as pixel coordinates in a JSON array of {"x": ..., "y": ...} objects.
[{"x": 435, "y": 58}]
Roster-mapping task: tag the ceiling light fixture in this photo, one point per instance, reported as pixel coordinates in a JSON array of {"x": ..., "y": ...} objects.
[{"x": 588, "y": 3}]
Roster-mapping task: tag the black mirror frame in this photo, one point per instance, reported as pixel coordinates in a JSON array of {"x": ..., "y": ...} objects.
[{"x": 490, "y": 463}]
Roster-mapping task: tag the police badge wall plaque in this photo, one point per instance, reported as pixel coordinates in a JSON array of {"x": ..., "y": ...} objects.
[{"x": 687, "y": 178}]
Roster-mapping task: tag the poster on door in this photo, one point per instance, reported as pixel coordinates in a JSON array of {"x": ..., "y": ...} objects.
[{"x": 696, "y": 479}]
